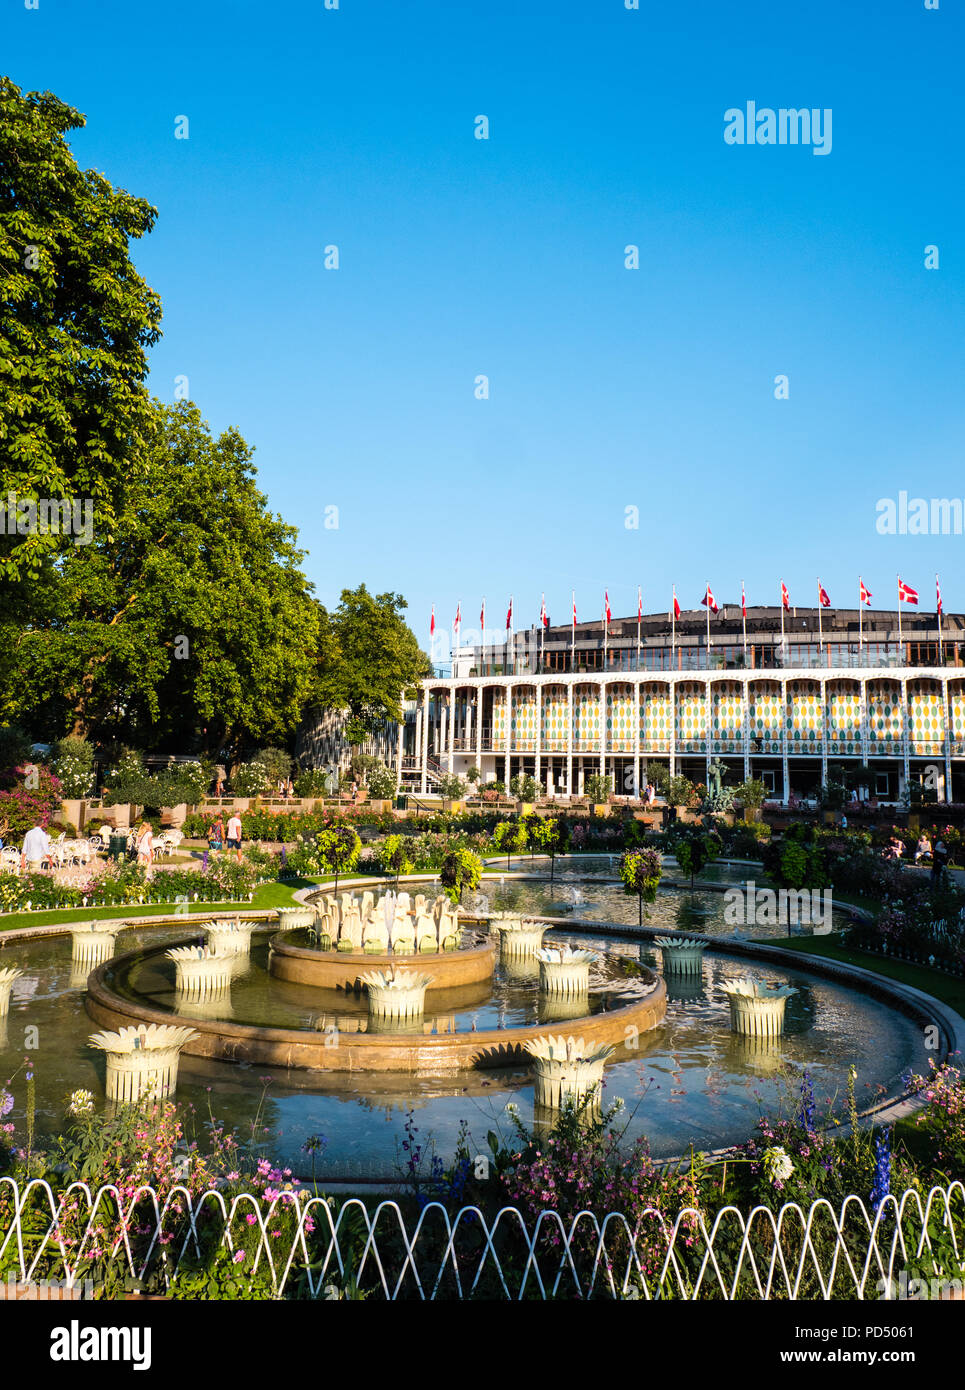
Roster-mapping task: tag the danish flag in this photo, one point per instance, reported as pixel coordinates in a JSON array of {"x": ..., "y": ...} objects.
[
  {"x": 458, "y": 623},
  {"x": 639, "y": 603},
  {"x": 509, "y": 615},
  {"x": 743, "y": 600},
  {"x": 785, "y": 596},
  {"x": 606, "y": 606},
  {"x": 938, "y": 595},
  {"x": 482, "y": 617},
  {"x": 823, "y": 599},
  {"x": 709, "y": 601},
  {"x": 906, "y": 594},
  {"x": 432, "y": 622},
  {"x": 676, "y": 605},
  {"x": 542, "y": 612},
  {"x": 574, "y": 610},
  {"x": 864, "y": 594}
]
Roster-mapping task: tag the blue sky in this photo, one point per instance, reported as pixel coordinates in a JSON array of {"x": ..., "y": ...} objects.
[{"x": 609, "y": 388}]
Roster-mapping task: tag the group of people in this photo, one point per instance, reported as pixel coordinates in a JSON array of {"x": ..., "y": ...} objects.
[
  {"x": 937, "y": 852},
  {"x": 221, "y": 836}
]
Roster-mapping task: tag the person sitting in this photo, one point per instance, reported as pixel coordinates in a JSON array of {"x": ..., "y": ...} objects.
[
  {"x": 923, "y": 848},
  {"x": 895, "y": 848},
  {"x": 36, "y": 848},
  {"x": 939, "y": 858}
]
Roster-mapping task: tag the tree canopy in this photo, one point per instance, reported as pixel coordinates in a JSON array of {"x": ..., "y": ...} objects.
[
  {"x": 368, "y": 659},
  {"x": 191, "y": 622},
  {"x": 75, "y": 322}
]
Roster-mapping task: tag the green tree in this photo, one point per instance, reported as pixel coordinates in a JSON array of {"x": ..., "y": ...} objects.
[
  {"x": 76, "y": 320},
  {"x": 461, "y": 869},
  {"x": 339, "y": 847},
  {"x": 552, "y": 836},
  {"x": 694, "y": 848},
  {"x": 599, "y": 788},
  {"x": 451, "y": 788},
  {"x": 393, "y": 856},
  {"x": 193, "y": 622},
  {"x": 367, "y": 660},
  {"x": 509, "y": 837},
  {"x": 640, "y": 872}
]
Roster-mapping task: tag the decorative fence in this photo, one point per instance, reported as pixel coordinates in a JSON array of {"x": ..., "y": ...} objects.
[{"x": 301, "y": 1246}]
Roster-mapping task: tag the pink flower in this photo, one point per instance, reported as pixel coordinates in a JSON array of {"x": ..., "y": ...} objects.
[{"x": 239, "y": 1255}]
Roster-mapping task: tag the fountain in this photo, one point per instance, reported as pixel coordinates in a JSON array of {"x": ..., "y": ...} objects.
[
  {"x": 230, "y": 938},
  {"x": 757, "y": 1010},
  {"x": 7, "y": 978},
  {"x": 142, "y": 1060},
  {"x": 397, "y": 994},
  {"x": 564, "y": 971},
  {"x": 566, "y": 1068},
  {"x": 93, "y": 944},
  {"x": 201, "y": 971},
  {"x": 518, "y": 936},
  {"x": 682, "y": 955}
]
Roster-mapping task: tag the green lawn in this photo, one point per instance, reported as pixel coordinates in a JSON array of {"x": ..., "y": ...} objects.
[{"x": 947, "y": 988}]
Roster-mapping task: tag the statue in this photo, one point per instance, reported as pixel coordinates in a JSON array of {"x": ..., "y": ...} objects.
[{"x": 715, "y": 771}]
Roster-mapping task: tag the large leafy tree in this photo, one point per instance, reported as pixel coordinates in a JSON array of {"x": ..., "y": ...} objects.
[
  {"x": 191, "y": 623},
  {"x": 368, "y": 659},
  {"x": 75, "y": 322}
]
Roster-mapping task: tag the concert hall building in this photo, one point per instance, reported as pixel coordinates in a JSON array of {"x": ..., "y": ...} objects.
[{"x": 878, "y": 707}]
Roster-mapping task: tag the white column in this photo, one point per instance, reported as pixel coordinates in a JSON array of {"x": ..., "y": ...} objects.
[
  {"x": 905, "y": 751},
  {"x": 673, "y": 729},
  {"x": 569, "y": 737},
  {"x": 425, "y": 737},
  {"x": 398, "y": 757},
  {"x": 467, "y": 728},
  {"x": 709, "y": 723},
  {"x": 452, "y": 726},
  {"x": 864, "y": 725},
  {"x": 443, "y": 715},
  {"x": 636, "y": 739},
  {"x": 509, "y": 733},
  {"x": 539, "y": 730},
  {"x": 784, "y": 767},
  {"x": 602, "y": 728},
  {"x": 746, "y": 728},
  {"x": 824, "y": 732},
  {"x": 480, "y": 694},
  {"x": 947, "y": 710}
]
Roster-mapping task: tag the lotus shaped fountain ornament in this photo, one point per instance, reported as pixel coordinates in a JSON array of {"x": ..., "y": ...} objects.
[
  {"x": 566, "y": 1069},
  {"x": 230, "y": 937},
  {"x": 93, "y": 944},
  {"x": 7, "y": 978},
  {"x": 396, "y": 993},
  {"x": 518, "y": 936},
  {"x": 142, "y": 1060},
  {"x": 564, "y": 970},
  {"x": 757, "y": 1010},
  {"x": 291, "y": 917},
  {"x": 682, "y": 955},
  {"x": 200, "y": 971}
]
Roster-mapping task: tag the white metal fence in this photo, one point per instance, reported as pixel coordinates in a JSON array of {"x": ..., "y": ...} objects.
[{"x": 299, "y": 1246}]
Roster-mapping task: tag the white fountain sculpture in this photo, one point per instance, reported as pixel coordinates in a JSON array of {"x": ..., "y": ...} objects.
[
  {"x": 92, "y": 945},
  {"x": 757, "y": 1010},
  {"x": 290, "y": 917},
  {"x": 230, "y": 937},
  {"x": 518, "y": 936},
  {"x": 201, "y": 971},
  {"x": 566, "y": 1069},
  {"x": 142, "y": 1060},
  {"x": 396, "y": 993},
  {"x": 564, "y": 970},
  {"x": 7, "y": 978},
  {"x": 682, "y": 955}
]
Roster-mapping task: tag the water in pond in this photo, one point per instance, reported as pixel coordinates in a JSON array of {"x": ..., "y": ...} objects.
[{"x": 691, "y": 1080}]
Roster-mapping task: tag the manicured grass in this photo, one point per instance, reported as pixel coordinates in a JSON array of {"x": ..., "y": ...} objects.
[{"x": 947, "y": 988}]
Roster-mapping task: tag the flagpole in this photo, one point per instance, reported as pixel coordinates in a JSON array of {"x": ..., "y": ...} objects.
[
  {"x": 898, "y": 579},
  {"x": 542, "y": 629},
  {"x": 782, "y": 622},
  {"x": 860, "y": 621},
  {"x": 606, "y": 633},
  {"x": 744, "y": 621},
  {"x": 707, "y": 604},
  {"x": 673, "y": 630},
  {"x": 573, "y": 638},
  {"x": 511, "y": 655},
  {"x": 639, "y": 611},
  {"x": 938, "y": 615},
  {"x": 820, "y": 626}
]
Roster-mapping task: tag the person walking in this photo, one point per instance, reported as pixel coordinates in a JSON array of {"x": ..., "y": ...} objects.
[
  {"x": 234, "y": 835},
  {"x": 145, "y": 844},
  {"x": 36, "y": 848},
  {"x": 216, "y": 834}
]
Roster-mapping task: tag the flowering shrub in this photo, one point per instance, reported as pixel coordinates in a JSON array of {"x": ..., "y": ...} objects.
[
  {"x": 73, "y": 762},
  {"x": 29, "y": 795},
  {"x": 942, "y": 1123},
  {"x": 251, "y": 779}
]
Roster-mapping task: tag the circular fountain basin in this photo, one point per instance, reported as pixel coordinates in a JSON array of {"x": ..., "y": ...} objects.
[{"x": 294, "y": 960}]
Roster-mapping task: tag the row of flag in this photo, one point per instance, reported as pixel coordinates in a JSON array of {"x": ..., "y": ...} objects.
[{"x": 906, "y": 594}]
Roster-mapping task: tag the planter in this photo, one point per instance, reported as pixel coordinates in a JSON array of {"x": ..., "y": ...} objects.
[
  {"x": 379, "y": 807},
  {"x": 565, "y": 1068},
  {"x": 601, "y": 810},
  {"x": 564, "y": 972},
  {"x": 756, "y": 1010},
  {"x": 174, "y": 815},
  {"x": 682, "y": 955},
  {"x": 142, "y": 1060},
  {"x": 73, "y": 812},
  {"x": 400, "y": 994}
]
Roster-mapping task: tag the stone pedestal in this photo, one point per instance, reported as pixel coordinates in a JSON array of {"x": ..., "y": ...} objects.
[
  {"x": 563, "y": 971},
  {"x": 230, "y": 937},
  {"x": 200, "y": 971},
  {"x": 143, "y": 1060},
  {"x": 566, "y": 1069},
  {"x": 290, "y": 917},
  {"x": 91, "y": 946},
  {"x": 400, "y": 994},
  {"x": 518, "y": 936}
]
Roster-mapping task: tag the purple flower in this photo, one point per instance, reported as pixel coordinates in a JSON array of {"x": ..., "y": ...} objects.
[{"x": 6, "y": 1102}]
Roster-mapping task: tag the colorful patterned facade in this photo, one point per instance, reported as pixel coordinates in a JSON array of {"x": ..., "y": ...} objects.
[
  {"x": 692, "y": 718},
  {"x": 766, "y": 718},
  {"x": 727, "y": 719},
  {"x": 555, "y": 719},
  {"x": 805, "y": 717},
  {"x": 844, "y": 719},
  {"x": 619, "y": 719}
]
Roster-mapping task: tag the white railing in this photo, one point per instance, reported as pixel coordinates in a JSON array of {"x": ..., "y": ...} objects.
[{"x": 793, "y": 1252}]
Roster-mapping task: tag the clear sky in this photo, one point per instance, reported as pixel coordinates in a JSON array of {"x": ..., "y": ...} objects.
[{"x": 609, "y": 388}]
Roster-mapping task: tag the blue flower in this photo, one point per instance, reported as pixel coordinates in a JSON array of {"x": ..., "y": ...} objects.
[{"x": 882, "y": 1181}]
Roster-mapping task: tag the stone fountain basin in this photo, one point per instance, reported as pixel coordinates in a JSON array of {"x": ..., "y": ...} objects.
[{"x": 303, "y": 965}]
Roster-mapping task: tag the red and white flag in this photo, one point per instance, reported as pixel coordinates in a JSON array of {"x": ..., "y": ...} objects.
[
  {"x": 606, "y": 606},
  {"x": 906, "y": 594},
  {"x": 864, "y": 594},
  {"x": 457, "y": 625},
  {"x": 432, "y": 622},
  {"x": 639, "y": 603},
  {"x": 785, "y": 596},
  {"x": 709, "y": 601},
  {"x": 743, "y": 600},
  {"x": 574, "y": 610},
  {"x": 482, "y": 616},
  {"x": 676, "y": 605},
  {"x": 938, "y": 596},
  {"x": 823, "y": 599},
  {"x": 542, "y": 612},
  {"x": 509, "y": 615}
]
